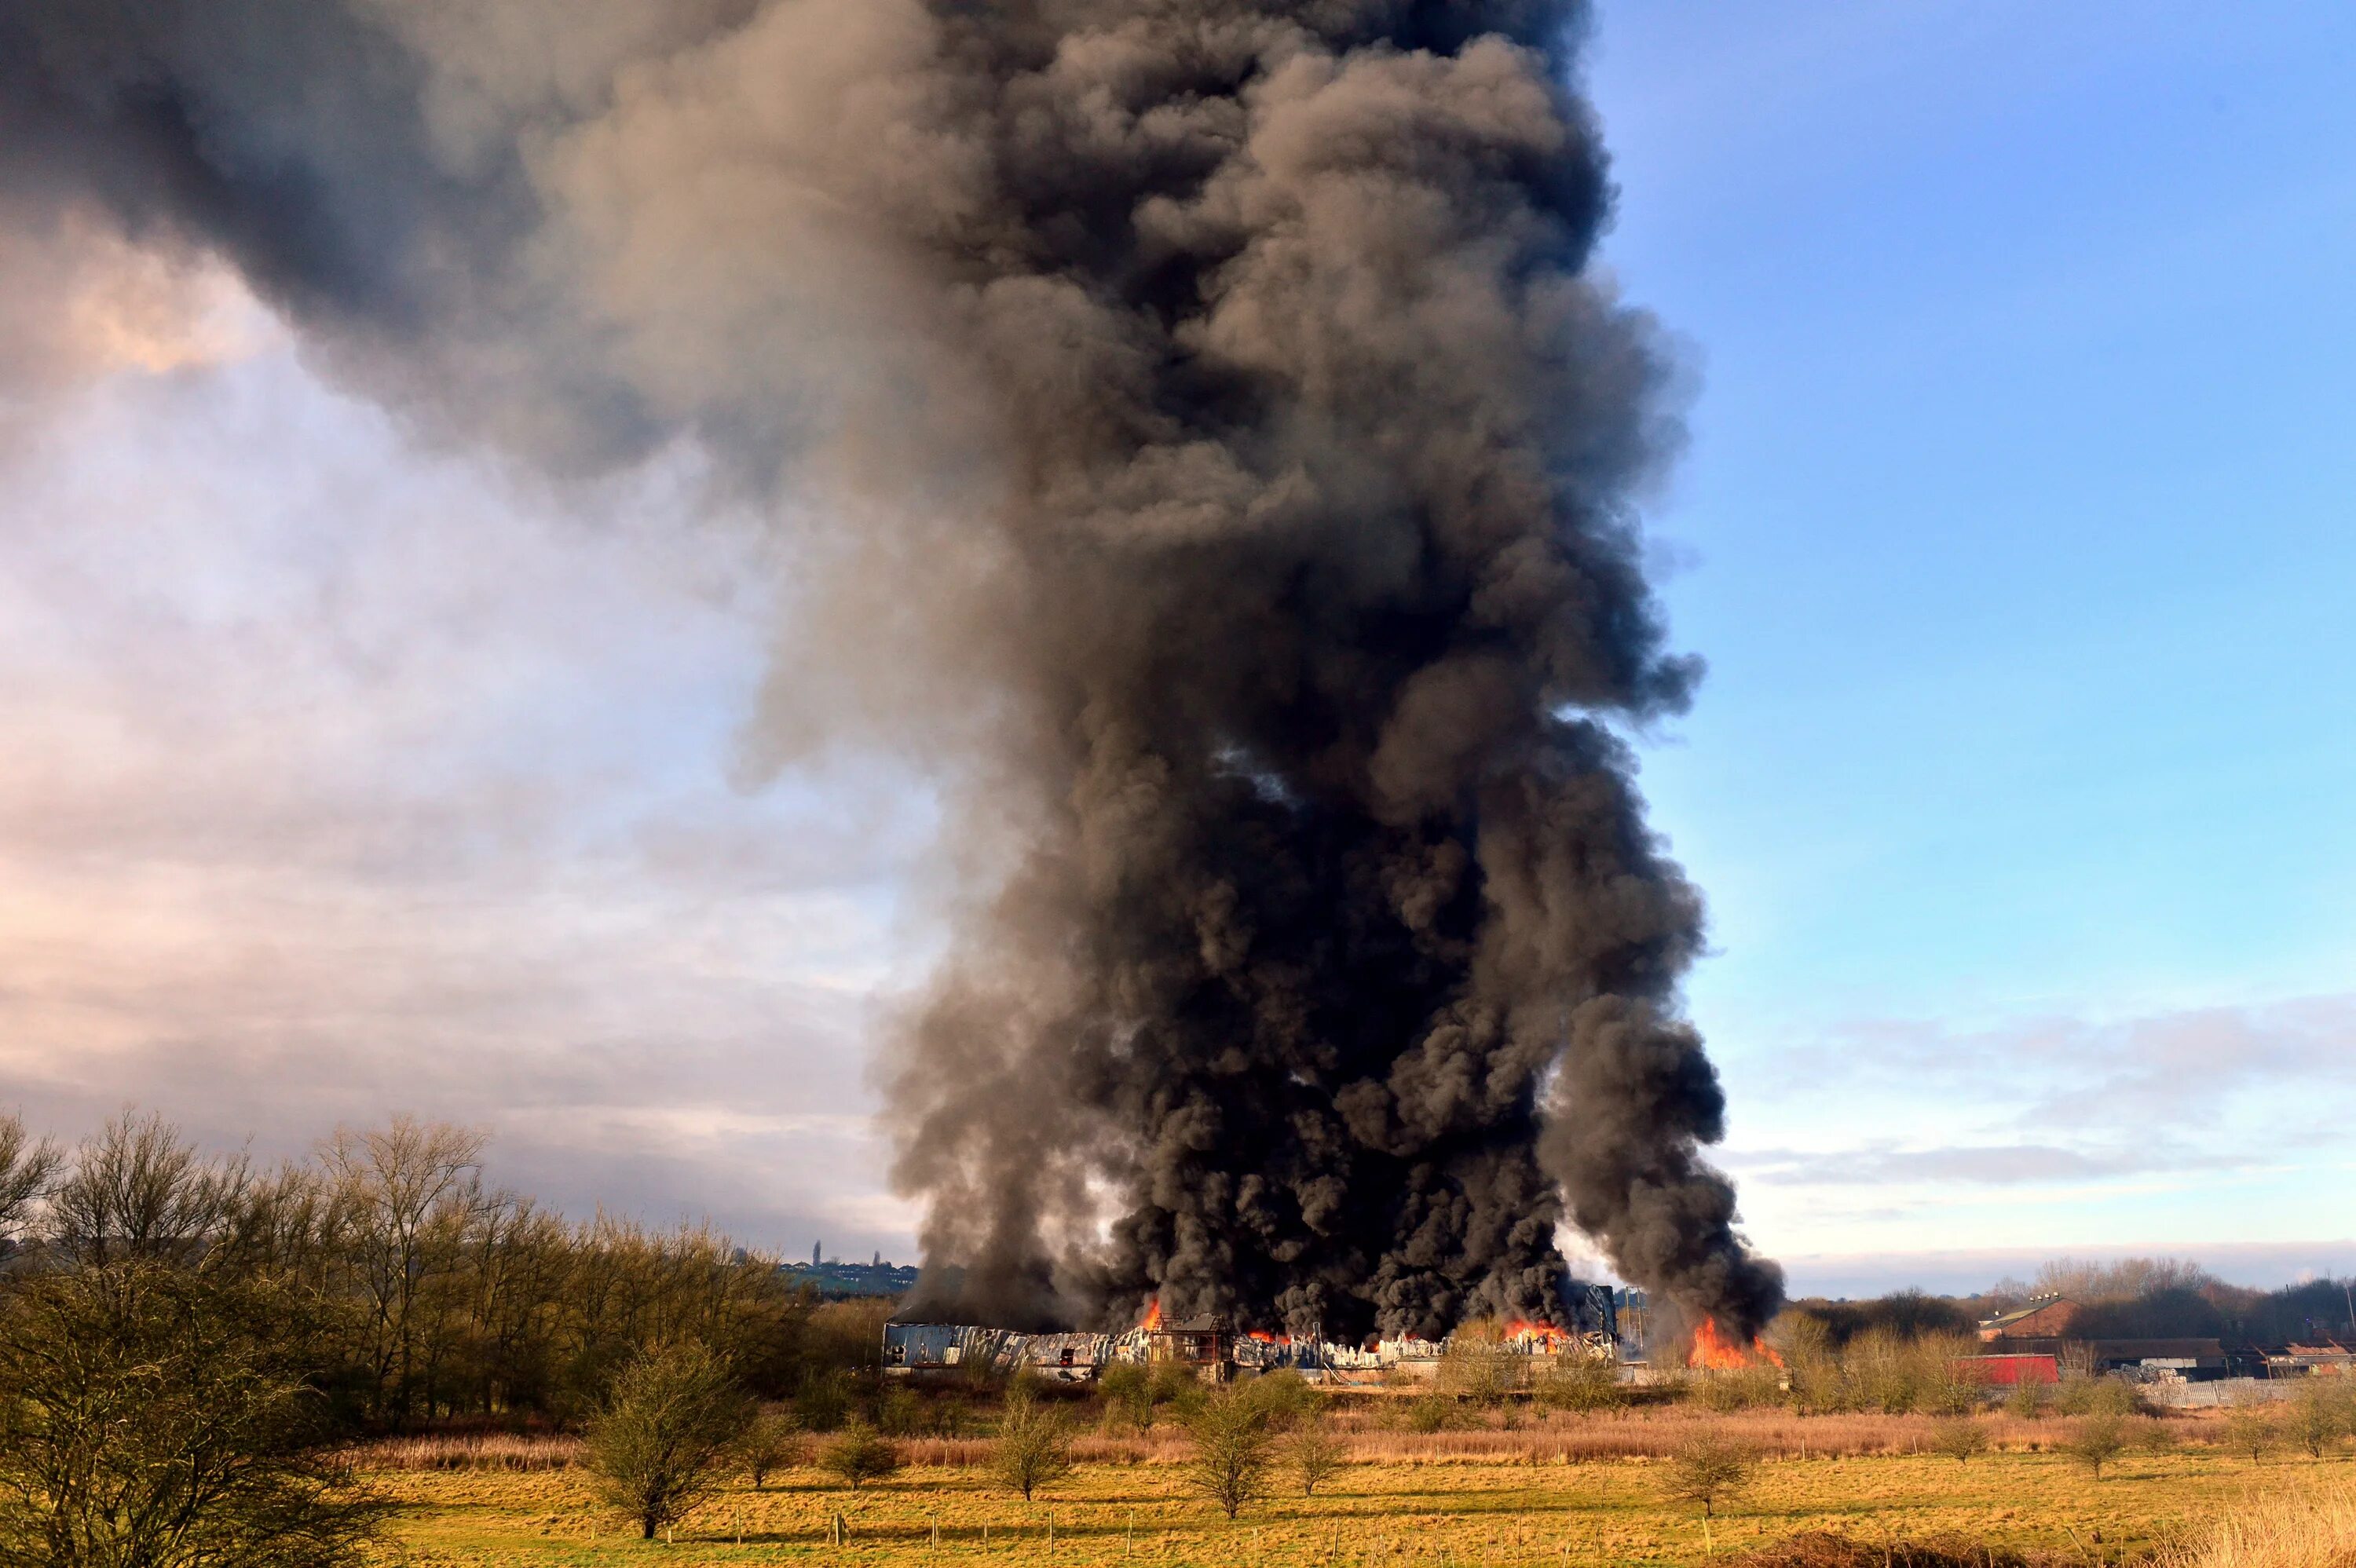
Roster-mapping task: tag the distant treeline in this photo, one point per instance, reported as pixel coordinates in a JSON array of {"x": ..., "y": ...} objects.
[
  {"x": 2137, "y": 1298},
  {"x": 405, "y": 1288}
]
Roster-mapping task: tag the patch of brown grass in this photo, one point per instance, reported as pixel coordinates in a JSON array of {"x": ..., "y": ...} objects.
[{"x": 467, "y": 1451}]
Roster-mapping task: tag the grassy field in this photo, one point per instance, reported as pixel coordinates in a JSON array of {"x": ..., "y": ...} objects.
[{"x": 1440, "y": 1509}]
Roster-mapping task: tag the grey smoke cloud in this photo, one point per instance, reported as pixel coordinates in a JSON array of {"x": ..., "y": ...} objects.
[{"x": 1211, "y": 455}]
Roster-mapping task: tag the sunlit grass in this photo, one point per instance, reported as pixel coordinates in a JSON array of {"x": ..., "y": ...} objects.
[{"x": 1593, "y": 1514}]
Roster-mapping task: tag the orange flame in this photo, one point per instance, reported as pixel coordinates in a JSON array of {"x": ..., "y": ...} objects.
[
  {"x": 1545, "y": 1333},
  {"x": 1151, "y": 1322},
  {"x": 1717, "y": 1353}
]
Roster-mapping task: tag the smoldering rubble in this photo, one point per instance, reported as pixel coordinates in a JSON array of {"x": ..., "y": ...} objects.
[{"x": 1208, "y": 451}]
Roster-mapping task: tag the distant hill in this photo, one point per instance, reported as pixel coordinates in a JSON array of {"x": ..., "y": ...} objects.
[{"x": 836, "y": 1280}]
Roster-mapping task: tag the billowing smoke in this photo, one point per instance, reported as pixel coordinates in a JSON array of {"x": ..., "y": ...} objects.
[{"x": 1212, "y": 454}]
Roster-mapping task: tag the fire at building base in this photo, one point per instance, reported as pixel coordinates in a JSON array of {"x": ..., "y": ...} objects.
[{"x": 1598, "y": 1323}]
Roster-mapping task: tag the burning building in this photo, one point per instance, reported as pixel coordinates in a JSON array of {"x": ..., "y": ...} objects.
[{"x": 1213, "y": 1349}]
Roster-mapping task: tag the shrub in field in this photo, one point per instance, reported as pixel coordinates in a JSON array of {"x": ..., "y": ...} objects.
[
  {"x": 1883, "y": 1372},
  {"x": 1284, "y": 1394},
  {"x": 2081, "y": 1395},
  {"x": 1949, "y": 1381},
  {"x": 1231, "y": 1450},
  {"x": 1431, "y": 1412},
  {"x": 2153, "y": 1435},
  {"x": 1478, "y": 1364},
  {"x": 772, "y": 1441},
  {"x": 2100, "y": 1439},
  {"x": 858, "y": 1454},
  {"x": 662, "y": 1441},
  {"x": 2252, "y": 1429},
  {"x": 1812, "y": 1365},
  {"x": 2315, "y": 1421},
  {"x": 1312, "y": 1454},
  {"x": 1173, "y": 1384},
  {"x": 2027, "y": 1401},
  {"x": 1128, "y": 1391},
  {"x": 150, "y": 1413},
  {"x": 823, "y": 1402},
  {"x": 1750, "y": 1388},
  {"x": 1034, "y": 1448},
  {"x": 900, "y": 1414},
  {"x": 1960, "y": 1438},
  {"x": 1582, "y": 1383},
  {"x": 1706, "y": 1470}
]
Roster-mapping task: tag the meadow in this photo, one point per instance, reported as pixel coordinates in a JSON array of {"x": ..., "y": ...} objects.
[{"x": 1571, "y": 1492}]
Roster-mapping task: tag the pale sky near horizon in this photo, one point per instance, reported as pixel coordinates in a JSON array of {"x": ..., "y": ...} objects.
[{"x": 346, "y": 777}]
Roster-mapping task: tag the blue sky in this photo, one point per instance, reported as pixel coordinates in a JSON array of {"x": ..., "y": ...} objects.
[{"x": 2013, "y": 526}]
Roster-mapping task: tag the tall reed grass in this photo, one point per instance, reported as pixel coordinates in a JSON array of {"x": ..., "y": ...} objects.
[{"x": 2284, "y": 1530}]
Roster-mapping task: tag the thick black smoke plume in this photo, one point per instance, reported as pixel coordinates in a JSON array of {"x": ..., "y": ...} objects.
[{"x": 1228, "y": 450}]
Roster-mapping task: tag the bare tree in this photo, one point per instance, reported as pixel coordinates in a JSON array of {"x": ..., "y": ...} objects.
[
  {"x": 772, "y": 1441},
  {"x": 403, "y": 1195},
  {"x": 1959, "y": 1438},
  {"x": 1229, "y": 1464},
  {"x": 138, "y": 1189},
  {"x": 2316, "y": 1420},
  {"x": 1034, "y": 1448},
  {"x": 660, "y": 1445},
  {"x": 27, "y": 1168},
  {"x": 2252, "y": 1429},
  {"x": 860, "y": 1453},
  {"x": 1315, "y": 1453},
  {"x": 1706, "y": 1469},
  {"x": 152, "y": 1413},
  {"x": 2100, "y": 1439}
]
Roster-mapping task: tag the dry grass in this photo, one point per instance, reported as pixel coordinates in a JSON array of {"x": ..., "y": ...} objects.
[
  {"x": 1828, "y": 1548},
  {"x": 472, "y": 1451},
  {"x": 2017, "y": 1510},
  {"x": 2316, "y": 1530},
  {"x": 1555, "y": 1439}
]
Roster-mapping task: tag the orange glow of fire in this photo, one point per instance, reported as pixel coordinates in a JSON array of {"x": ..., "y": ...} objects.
[
  {"x": 1714, "y": 1352},
  {"x": 1151, "y": 1322},
  {"x": 1547, "y": 1333}
]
